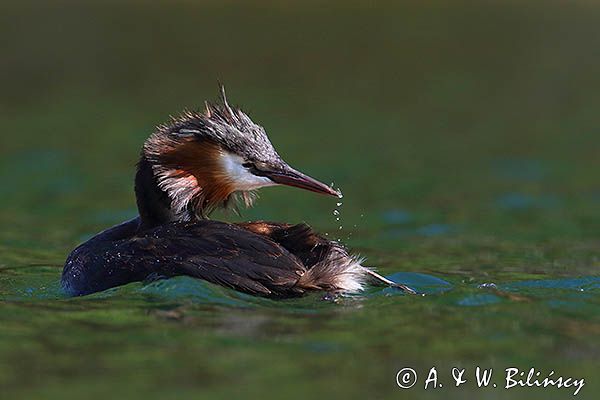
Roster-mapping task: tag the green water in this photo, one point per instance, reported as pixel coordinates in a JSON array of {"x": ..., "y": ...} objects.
[{"x": 466, "y": 140}]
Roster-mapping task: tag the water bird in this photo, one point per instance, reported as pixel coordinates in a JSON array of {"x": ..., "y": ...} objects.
[{"x": 188, "y": 167}]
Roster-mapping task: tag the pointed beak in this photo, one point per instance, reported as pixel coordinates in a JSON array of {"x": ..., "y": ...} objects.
[{"x": 288, "y": 176}]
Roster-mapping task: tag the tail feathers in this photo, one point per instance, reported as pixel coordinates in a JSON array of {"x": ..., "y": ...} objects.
[
  {"x": 341, "y": 272},
  {"x": 337, "y": 272}
]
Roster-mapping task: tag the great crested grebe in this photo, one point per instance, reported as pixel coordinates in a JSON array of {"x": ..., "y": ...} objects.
[{"x": 187, "y": 168}]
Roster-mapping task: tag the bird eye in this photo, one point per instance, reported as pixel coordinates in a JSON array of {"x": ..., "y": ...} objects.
[
  {"x": 248, "y": 165},
  {"x": 261, "y": 166}
]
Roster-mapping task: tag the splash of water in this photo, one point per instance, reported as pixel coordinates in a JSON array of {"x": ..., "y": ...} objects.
[
  {"x": 337, "y": 211},
  {"x": 338, "y": 214}
]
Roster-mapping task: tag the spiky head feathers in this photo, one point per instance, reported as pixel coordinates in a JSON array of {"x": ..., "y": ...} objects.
[{"x": 198, "y": 159}]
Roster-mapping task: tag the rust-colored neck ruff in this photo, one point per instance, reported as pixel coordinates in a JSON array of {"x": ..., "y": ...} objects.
[
  {"x": 187, "y": 179},
  {"x": 193, "y": 175}
]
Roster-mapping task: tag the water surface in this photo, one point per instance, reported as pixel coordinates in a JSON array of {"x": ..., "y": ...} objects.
[{"x": 465, "y": 139}]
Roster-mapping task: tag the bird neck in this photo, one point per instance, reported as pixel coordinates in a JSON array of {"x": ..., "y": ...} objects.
[
  {"x": 154, "y": 204},
  {"x": 188, "y": 189}
]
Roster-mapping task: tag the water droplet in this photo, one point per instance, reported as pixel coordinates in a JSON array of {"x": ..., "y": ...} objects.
[
  {"x": 338, "y": 204},
  {"x": 336, "y": 212},
  {"x": 487, "y": 285}
]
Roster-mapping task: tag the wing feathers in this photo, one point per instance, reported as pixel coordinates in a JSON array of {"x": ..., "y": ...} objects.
[{"x": 220, "y": 253}]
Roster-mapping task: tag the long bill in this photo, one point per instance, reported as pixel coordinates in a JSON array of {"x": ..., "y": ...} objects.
[{"x": 290, "y": 177}]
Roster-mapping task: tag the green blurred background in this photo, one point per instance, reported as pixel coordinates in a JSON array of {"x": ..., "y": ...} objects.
[{"x": 464, "y": 135}]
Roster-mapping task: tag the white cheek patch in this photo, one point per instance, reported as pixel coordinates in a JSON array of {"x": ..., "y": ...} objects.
[{"x": 241, "y": 178}]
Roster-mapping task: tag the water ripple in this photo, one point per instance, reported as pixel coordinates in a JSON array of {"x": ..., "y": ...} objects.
[{"x": 422, "y": 283}]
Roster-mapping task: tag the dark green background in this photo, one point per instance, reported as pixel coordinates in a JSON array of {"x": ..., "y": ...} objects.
[{"x": 466, "y": 140}]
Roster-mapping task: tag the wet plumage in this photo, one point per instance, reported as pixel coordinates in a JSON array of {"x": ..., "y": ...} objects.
[
  {"x": 267, "y": 259},
  {"x": 189, "y": 167}
]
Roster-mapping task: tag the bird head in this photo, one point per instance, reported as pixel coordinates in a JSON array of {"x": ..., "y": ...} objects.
[{"x": 204, "y": 160}]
